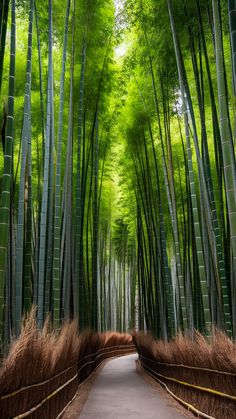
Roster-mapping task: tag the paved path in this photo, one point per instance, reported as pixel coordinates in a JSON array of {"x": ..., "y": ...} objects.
[{"x": 119, "y": 392}]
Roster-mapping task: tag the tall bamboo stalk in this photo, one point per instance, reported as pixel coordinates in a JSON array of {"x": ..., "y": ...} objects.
[
  {"x": 7, "y": 174},
  {"x": 44, "y": 208},
  {"x": 57, "y": 204},
  {"x": 4, "y": 7},
  {"x": 79, "y": 286},
  {"x": 232, "y": 27},
  {"x": 95, "y": 226},
  {"x": 197, "y": 229},
  {"x": 26, "y": 135},
  {"x": 227, "y": 150}
]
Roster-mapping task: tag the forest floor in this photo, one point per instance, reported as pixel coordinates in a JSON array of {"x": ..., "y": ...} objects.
[{"x": 121, "y": 390}]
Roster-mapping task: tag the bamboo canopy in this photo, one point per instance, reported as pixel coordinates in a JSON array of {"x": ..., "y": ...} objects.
[{"x": 117, "y": 166}]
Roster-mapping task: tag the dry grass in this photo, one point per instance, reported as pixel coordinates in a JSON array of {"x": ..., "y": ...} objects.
[
  {"x": 38, "y": 356},
  {"x": 218, "y": 354},
  {"x": 41, "y": 353},
  {"x": 114, "y": 339}
]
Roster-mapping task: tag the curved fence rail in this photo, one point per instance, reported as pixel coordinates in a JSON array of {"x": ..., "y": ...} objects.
[
  {"x": 47, "y": 399},
  {"x": 204, "y": 391}
]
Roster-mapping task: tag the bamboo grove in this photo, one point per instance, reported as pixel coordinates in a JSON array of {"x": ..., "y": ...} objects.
[{"x": 118, "y": 181}]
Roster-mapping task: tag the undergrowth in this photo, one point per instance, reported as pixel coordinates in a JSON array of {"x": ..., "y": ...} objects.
[
  {"x": 172, "y": 359},
  {"x": 39, "y": 355}
]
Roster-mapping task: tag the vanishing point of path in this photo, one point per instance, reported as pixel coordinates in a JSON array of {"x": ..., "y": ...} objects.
[{"x": 120, "y": 392}]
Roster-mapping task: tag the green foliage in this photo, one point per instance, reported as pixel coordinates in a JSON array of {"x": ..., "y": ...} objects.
[{"x": 113, "y": 200}]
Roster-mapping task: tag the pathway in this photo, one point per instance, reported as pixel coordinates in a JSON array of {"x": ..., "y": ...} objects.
[{"x": 119, "y": 392}]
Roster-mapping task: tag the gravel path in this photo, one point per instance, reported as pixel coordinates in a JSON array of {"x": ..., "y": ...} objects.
[{"x": 119, "y": 392}]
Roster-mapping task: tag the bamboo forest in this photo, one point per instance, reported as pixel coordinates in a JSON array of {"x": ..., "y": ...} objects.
[{"x": 118, "y": 175}]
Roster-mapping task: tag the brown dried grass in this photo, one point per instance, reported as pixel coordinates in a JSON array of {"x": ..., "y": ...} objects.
[
  {"x": 115, "y": 339},
  {"x": 218, "y": 353},
  {"x": 37, "y": 356}
]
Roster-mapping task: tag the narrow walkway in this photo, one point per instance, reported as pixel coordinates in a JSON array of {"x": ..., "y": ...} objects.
[{"x": 120, "y": 392}]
